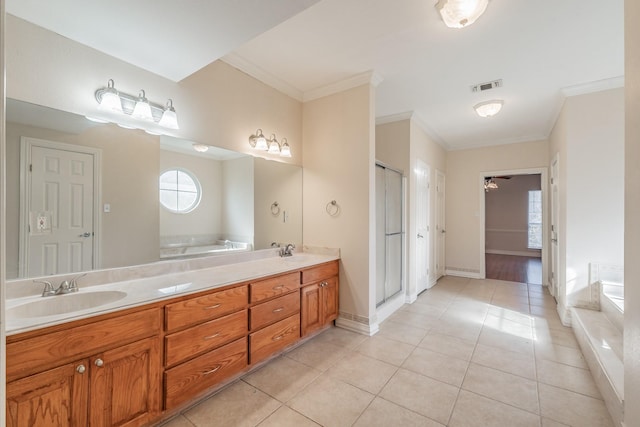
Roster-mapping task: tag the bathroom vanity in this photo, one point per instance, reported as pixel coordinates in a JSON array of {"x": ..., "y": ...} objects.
[{"x": 138, "y": 360}]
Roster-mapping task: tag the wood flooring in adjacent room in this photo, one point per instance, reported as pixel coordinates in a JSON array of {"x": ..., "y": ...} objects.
[{"x": 513, "y": 268}]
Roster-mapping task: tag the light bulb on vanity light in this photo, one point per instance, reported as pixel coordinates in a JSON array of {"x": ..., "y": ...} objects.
[
  {"x": 142, "y": 110},
  {"x": 110, "y": 99},
  {"x": 285, "y": 150},
  {"x": 258, "y": 141},
  {"x": 274, "y": 147},
  {"x": 169, "y": 118}
]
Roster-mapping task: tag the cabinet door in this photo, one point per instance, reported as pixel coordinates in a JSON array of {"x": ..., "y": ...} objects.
[
  {"x": 125, "y": 385},
  {"x": 310, "y": 309},
  {"x": 330, "y": 300},
  {"x": 57, "y": 397}
]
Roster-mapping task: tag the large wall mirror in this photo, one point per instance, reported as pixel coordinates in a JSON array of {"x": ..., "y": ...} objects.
[{"x": 83, "y": 195}]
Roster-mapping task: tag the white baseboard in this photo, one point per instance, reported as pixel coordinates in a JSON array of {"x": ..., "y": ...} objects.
[
  {"x": 389, "y": 307},
  {"x": 535, "y": 254},
  {"x": 432, "y": 283},
  {"x": 360, "y": 328},
  {"x": 459, "y": 273},
  {"x": 410, "y": 299}
]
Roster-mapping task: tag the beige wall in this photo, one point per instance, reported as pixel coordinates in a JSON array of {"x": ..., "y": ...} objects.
[
  {"x": 129, "y": 184},
  {"x": 338, "y": 163},
  {"x": 464, "y": 188},
  {"x": 217, "y": 105},
  {"x": 589, "y": 135},
  {"x": 277, "y": 182},
  {"x": 506, "y": 215},
  {"x": 206, "y": 219},
  {"x": 632, "y": 216}
]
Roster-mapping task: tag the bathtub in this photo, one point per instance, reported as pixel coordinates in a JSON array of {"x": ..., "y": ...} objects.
[{"x": 219, "y": 247}]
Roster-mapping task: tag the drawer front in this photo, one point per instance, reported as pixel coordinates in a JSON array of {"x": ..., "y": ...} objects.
[
  {"x": 274, "y": 310},
  {"x": 54, "y": 349},
  {"x": 270, "y": 288},
  {"x": 320, "y": 272},
  {"x": 206, "y": 336},
  {"x": 187, "y": 380},
  {"x": 206, "y": 307},
  {"x": 269, "y": 340}
]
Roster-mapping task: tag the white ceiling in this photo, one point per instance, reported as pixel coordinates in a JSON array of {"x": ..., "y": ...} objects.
[{"x": 537, "y": 47}]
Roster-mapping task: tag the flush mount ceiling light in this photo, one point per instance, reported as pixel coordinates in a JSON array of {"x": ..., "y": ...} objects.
[
  {"x": 489, "y": 108},
  {"x": 138, "y": 107},
  {"x": 271, "y": 145},
  {"x": 201, "y": 148},
  {"x": 461, "y": 13}
]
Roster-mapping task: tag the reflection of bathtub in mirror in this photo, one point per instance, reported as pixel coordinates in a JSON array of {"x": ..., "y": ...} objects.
[{"x": 191, "y": 249}]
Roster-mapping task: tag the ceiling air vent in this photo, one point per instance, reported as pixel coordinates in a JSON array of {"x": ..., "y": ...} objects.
[{"x": 481, "y": 87}]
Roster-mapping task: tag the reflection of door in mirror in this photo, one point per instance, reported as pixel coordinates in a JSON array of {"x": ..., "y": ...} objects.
[{"x": 57, "y": 210}]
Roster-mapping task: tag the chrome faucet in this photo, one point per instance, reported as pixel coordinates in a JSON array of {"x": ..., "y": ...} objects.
[
  {"x": 66, "y": 287},
  {"x": 287, "y": 250}
]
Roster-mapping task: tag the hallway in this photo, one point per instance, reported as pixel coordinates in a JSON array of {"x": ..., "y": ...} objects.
[
  {"x": 512, "y": 268},
  {"x": 476, "y": 353}
]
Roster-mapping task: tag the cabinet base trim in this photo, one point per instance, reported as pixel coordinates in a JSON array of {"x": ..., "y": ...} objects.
[{"x": 361, "y": 328}]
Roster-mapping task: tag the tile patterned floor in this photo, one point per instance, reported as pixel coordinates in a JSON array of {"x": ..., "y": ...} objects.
[{"x": 475, "y": 353}]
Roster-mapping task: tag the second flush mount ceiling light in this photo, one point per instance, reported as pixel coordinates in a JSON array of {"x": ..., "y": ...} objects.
[{"x": 461, "y": 13}]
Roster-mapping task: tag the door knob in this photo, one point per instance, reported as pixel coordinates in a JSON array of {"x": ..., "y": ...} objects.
[
  {"x": 87, "y": 234},
  {"x": 420, "y": 236},
  {"x": 444, "y": 231}
]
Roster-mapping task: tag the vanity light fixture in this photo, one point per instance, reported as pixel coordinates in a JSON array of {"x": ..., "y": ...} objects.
[
  {"x": 137, "y": 107},
  {"x": 489, "y": 108},
  {"x": 461, "y": 13},
  {"x": 258, "y": 141},
  {"x": 271, "y": 145}
]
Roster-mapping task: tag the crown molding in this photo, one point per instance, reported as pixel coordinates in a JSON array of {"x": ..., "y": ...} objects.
[
  {"x": 595, "y": 86},
  {"x": 413, "y": 116},
  {"x": 265, "y": 77},
  {"x": 369, "y": 77},
  {"x": 504, "y": 141}
]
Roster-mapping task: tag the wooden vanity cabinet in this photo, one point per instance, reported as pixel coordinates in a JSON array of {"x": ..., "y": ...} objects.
[
  {"x": 114, "y": 386},
  {"x": 205, "y": 344},
  {"x": 274, "y": 315},
  {"x": 319, "y": 297}
]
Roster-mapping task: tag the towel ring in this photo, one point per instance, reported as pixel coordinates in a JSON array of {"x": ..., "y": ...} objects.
[
  {"x": 275, "y": 208},
  {"x": 332, "y": 208}
]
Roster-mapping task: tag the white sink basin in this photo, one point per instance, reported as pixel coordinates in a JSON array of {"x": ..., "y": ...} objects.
[{"x": 62, "y": 304}]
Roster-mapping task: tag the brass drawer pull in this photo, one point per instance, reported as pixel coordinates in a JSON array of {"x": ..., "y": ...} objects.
[
  {"x": 212, "y": 307},
  {"x": 277, "y": 288},
  {"x": 278, "y": 310},
  {"x": 212, "y": 371},
  {"x": 210, "y": 337}
]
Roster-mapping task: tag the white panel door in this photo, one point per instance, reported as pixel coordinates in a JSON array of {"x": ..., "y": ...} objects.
[
  {"x": 440, "y": 224},
  {"x": 422, "y": 226},
  {"x": 60, "y": 212}
]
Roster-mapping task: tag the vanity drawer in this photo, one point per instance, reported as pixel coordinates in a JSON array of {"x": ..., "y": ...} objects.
[
  {"x": 269, "y": 340},
  {"x": 35, "y": 354},
  {"x": 206, "y": 336},
  {"x": 187, "y": 380},
  {"x": 320, "y": 272},
  {"x": 274, "y": 310},
  {"x": 269, "y": 288},
  {"x": 206, "y": 307}
]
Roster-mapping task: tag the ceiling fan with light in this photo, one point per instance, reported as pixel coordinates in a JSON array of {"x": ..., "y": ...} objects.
[{"x": 490, "y": 182}]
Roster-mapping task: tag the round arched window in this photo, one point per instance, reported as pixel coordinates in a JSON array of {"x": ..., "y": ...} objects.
[{"x": 180, "y": 190}]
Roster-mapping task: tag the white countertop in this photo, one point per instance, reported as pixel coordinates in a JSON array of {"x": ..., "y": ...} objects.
[{"x": 151, "y": 289}]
